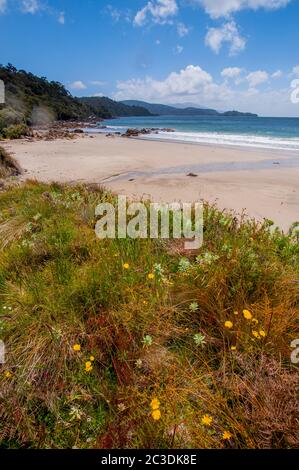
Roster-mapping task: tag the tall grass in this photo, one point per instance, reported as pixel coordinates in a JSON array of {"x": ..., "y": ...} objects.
[
  {"x": 91, "y": 339},
  {"x": 8, "y": 165}
]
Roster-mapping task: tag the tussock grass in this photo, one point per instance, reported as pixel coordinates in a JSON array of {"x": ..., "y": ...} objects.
[
  {"x": 161, "y": 338},
  {"x": 8, "y": 165}
]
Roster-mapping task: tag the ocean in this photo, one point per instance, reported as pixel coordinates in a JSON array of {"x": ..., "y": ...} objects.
[{"x": 242, "y": 131}]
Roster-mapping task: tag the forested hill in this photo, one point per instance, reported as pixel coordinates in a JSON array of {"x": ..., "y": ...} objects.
[
  {"x": 36, "y": 100},
  {"x": 165, "y": 110},
  {"x": 115, "y": 108}
]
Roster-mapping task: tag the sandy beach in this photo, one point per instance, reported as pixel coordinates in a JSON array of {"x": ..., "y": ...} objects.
[{"x": 263, "y": 183}]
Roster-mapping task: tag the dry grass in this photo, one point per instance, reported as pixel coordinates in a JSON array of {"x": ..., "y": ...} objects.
[
  {"x": 162, "y": 338},
  {"x": 8, "y": 165}
]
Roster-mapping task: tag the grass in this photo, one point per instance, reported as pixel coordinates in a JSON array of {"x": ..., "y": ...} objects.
[
  {"x": 91, "y": 340},
  {"x": 8, "y": 165}
]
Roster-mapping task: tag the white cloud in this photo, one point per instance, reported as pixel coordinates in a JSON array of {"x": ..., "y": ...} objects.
[
  {"x": 224, "y": 8},
  {"x": 231, "y": 72},
  {"x": 189, "y": 81},
  {"x": 227, "y": 33},
  {"x": 193, "y": 84},
  {"x": 61, "y": 18},
  {"x": 77, "y": 85},
  {"x": 157, "y": 10},
  {"x": 277, "y": 74},
  {"x": 30, "y": 6},
  {"x": 117, "y": 14},
  {"x": 257, "y": 78},
  {"x": 3, "y": 5},
  {"x": 295, "y": 71},
  {"x": 179, "y": 49},
  {"x": 182, "y": 30}
]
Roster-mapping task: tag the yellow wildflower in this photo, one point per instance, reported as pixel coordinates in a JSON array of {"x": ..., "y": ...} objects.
[
  {"x": 256, "y": 334},
  {"x": 88, "y": 366},
  {"x": 247, "y": 314},
  {"x": 155, "y": 404},
  {"x": 233, "y": 348},
  {"x": 228, "y": 324},
  {"x": 151, "y": 276},
  {"x": 262, "y": 333},
  {"x": 206, "y": 420},
  {"x": 126, "y": 266},
  {"x": 236, "y": 313},
  {"x": 7, "y": 374},
  {"x": 91, "y": 358},
  {"x": 76, "y": 347},
  {"x": 254, "y": 320},
  {"x": 156, "y": 415},
  {"x": 226, "y": 436}
]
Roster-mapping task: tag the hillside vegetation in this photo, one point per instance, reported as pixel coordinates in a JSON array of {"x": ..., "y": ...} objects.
[
  {"x": 32, "y": 100},
  {"x": 138, "y": 344},
  {"x": 116, "y": 109},
  {"x": 165, "y": 110}
]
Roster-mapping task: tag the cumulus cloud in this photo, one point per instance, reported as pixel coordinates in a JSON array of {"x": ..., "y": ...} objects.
[
  {"x": 77, "y": 85},
  {"x": 277, "y": 74},
  {"x": 227, "y": 33},
  {"x": 189, "y": 81},
  {"x": 257, "y": 78},
  {"x": 231, "y": 72},
  {"x": 159, "y": 11},
  {"x": 193, "y": 84},
  {"x": 224, "y": 8}
]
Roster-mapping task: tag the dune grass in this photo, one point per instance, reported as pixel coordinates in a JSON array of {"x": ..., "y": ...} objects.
[
  {"x": 137, "y": 344},
  {"x": 8, "y": 165}
]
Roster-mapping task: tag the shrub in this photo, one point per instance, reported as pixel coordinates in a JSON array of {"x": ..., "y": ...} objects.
[{"x": 16, "y": 131}]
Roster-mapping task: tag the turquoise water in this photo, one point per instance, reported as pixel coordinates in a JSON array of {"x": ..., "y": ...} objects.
[{"x": 272, "y": 133}]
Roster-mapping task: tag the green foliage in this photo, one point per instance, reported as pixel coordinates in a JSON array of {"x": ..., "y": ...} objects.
[
  {"x": 113, "y": 107},
  {"x": 15, "y": 131},
  {"x": 35, "y": 100},
  {"x": 92, "y": 339}
]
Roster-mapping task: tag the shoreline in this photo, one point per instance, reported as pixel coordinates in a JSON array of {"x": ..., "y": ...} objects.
[{"x": 144, "y": 168}]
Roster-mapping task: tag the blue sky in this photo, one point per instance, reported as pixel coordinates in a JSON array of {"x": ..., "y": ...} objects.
[{"x": 225, "y": 54}]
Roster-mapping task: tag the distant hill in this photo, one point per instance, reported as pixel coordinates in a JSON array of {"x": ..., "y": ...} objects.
[
  {"x": 164, "y": 110},
  {"x": 115, "y": 109}
]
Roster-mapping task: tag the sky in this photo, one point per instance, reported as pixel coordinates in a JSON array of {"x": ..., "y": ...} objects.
[{"x": 222, "y": 54}]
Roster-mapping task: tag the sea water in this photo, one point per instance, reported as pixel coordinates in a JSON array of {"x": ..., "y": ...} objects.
[{"x": 241, "y": 131}]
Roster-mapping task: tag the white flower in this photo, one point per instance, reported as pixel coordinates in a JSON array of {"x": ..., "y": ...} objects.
[
  {"x": 184, "y": 265},
  {"x": 147, "y": 340},
  {"x": 193, "y": 307},
  {"x": 199, "y": 339}
]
